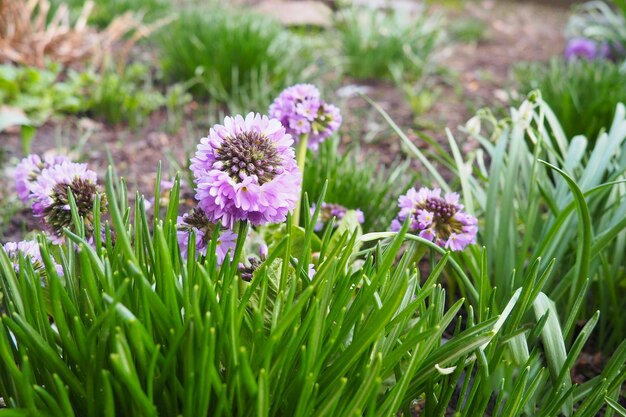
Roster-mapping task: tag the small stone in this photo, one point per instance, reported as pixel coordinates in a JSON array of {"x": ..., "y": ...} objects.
[{"x": 298, "y": 13}]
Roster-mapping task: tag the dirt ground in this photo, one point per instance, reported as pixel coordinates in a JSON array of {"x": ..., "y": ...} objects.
[{"x": 515, "y": 32}]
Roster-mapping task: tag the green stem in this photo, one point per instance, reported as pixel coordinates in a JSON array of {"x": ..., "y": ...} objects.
[
  {"x": 242, "y": 233},
  {"x": 301, "y": 159}
]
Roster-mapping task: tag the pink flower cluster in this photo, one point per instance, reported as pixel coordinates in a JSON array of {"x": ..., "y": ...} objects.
[
  {"x": 45, "y": 184},
  {"x": 196, "y": 221},
  {"x": 330, "y": 210},
  {"x": 29, "y": 249},
  {"x": 436, "y": 218},
  {"x": 245, "y": 169},
  {"x": 302, "y": 112}
]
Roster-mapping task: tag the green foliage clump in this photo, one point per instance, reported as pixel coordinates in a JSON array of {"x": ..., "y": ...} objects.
[
  {"x": 130, "y": 96},
  {"x": 602, "y": 21},
  {"x": 357, "y": 181},
  {"x": 375, "y": 42},
  {"x": 582, "y": 94},
  {"x": 40, "y": 93},
  {"x": 540, "y": 193},
  {"x": 130, "y": 328},
  {"x": 238, "y": 58},
  {"x": 126, "y": 97}
]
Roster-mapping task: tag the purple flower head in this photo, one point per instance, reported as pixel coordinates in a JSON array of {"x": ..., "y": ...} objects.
[
  {"x": 198, "y": 222},
  {"x": 247, "y": 271},
  {"x": 585, "y": 48},
  {"x": 301, "y": 111},
  {"x": 329, "y": 210},
  {"x": 436, "y": 218},
  {"x": 30, "y": 251},
  {"x": 246, "y": 170},
  {"x": 29, "y": 169},
  {"x": 51, "y": 200}
]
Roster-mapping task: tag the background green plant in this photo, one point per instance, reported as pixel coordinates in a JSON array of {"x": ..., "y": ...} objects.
[
  {"x": 238, "y": 58},
  {"x": 582, "y": 94},
  {"x": 374, "y": 41},
  {"x": 603, "y": 21},
  {"x": 357, "y": 180},
  {"x": 131, "y": 96},
  {"x": 539, "y": 193},
  {"x": 40, "y": 93}
]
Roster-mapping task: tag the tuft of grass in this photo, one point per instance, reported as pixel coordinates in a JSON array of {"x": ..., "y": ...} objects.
[
  {"x": 582, "y": 94},
  {"x": 540, "y": 193},
  {"x": 468, "y": 30},
  {"x": 131, "y": 96},
  {"x": 357, "y": 181},
  {"x": 375, "y": 42},
  {"x": 130, "y": 328},
  {"x": 237, "y": 58}
]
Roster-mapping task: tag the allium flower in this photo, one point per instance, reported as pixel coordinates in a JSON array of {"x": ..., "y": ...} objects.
[
  {"x": 30, "y": 250},
  {"x": 198, "y": 222},
  {"x": 29, "y": 169},
  {"x": 302, "y": 112},
  {"x": 245, "y": 170},
  {"x": 587, "y": 49},
  {"x": 51, "y": 200},
  {"x": 329, "y": 210},
  {"x": 436, "y": 218}
]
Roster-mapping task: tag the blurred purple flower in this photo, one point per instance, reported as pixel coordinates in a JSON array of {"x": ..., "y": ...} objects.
[
  {"x": 29, "y": 169},
  {"x": 30, "y": 250},
  {"x": 246, "y": 170},
  {"x": 51, "y": 200},
  {"x": 301, "y": 111},
  {"x": 329, "y": 210},
  {"x": 586, "y": 49},
  {"x": 198, "y": 222},
  {"x": 436, "y": 218}
]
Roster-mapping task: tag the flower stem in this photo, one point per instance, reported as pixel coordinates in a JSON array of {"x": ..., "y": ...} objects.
[
  {"x": 242, "y": 233},
  {"x": 301, "y": 159}
]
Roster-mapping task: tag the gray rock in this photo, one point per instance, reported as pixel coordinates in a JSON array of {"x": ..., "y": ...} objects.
[{"x": 298, "y": 13}]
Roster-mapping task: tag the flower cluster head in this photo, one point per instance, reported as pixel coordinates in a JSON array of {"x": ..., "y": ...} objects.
[
  {"x": 302, "y": 112},
  {"x": 247, "y": 271},
  {"x": 197, "y": 221},
  {"x": 436, "y": 218},
  {"x": 29, "y": 169},
  {"x": 245, "y": 170},
  {"x": 30, "y": 251},
  {"x": 51, "y": 199},
  {"x": 254, "y": 262},
  {"x": 329, "y": 210},
  {"x": 584, "y": 48}
]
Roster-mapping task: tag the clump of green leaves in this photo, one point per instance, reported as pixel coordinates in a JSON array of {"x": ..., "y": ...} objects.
[
  {"x": 131, "y": 96},
  {"x": 602, "y": 21},
  {"x": 582, "y": 94},
  {"x": 133, "y": 329},
  {"x": 238, "y": 58},
  {"x": 540, "y": 193},
  {"x": 40, "y": 93},
  {"x": 128, "y": 96},
  {"x": 357, "y": 181},
  {"x": 374, "y": 42}
]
